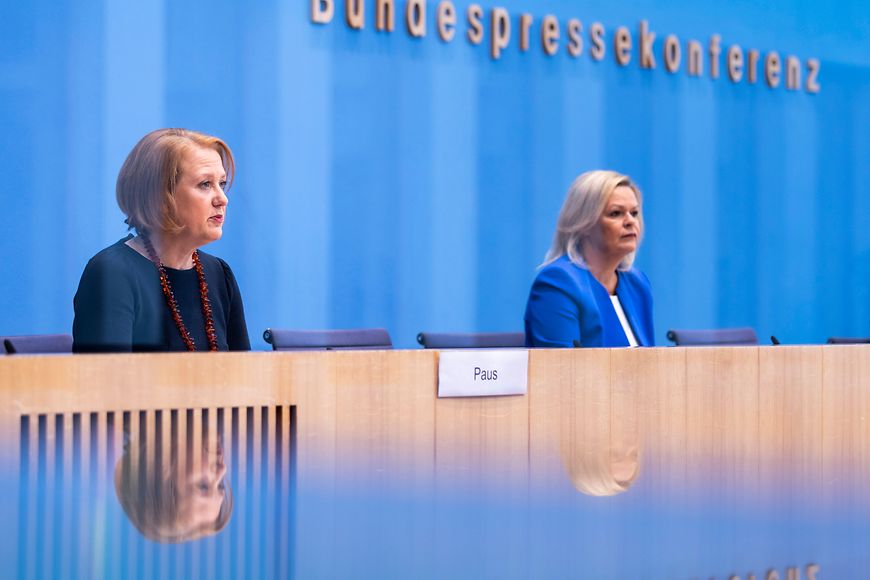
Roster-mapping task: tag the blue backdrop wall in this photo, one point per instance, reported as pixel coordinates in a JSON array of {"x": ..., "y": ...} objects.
[{"x": 385, "y": 180}]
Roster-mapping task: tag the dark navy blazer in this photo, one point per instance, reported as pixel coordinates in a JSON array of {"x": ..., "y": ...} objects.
[{"x": 567, "y": 303}]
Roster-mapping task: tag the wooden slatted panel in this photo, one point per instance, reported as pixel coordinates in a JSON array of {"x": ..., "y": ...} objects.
[
  {"x": 30, "y": 539},
  {"x": 266, "y": 506},
  {"x": 83, "y": 525},
  {"x": 63, "y": 553},
  {"x": 846, "y": 427},
  {"x": 242, "y": 525},
  {"x": 284, "y": 548},
  {"x": 657, "y": 378},
  {"x": 97, "y": 453},
  {"x": 731, "y": 420},
  {"x": 723, "y": 438},
  {"x": 790, "y": 423},
  {"x": 482, "y": 457},
  {"x": 569, "y": 429},
  {"x": 45, "y": 530},
  {"x": 229, "y": 538}
]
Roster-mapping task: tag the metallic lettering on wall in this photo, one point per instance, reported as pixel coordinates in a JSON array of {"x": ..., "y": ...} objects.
[{"x": 739, "y": 64}]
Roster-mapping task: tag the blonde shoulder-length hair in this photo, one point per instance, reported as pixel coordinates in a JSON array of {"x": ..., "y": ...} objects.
[
  {"x": 584, "y": 203},
  {"x": 152, "y": 491}
]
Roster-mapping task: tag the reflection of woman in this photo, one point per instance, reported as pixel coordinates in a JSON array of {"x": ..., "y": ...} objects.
[
  {"x": 599, "y": 468},
  {"x": 182, "y": 497},
  {"x": 587, "y": 293},
  {"x": 157, "y": 291},
  {"x": 598, "y": 437}
]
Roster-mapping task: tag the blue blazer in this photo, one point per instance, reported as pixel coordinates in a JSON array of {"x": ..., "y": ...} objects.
[{"x": 567, "y": 303}]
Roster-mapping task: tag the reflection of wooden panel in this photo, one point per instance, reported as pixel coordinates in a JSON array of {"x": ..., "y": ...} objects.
[
  {"x": 384, "y": 434},
  {"x": 102, "y": 479},
  {"x": 790, "y": 436},
  {"x": 790, "y": 421},
  {"x": 846, "y": 423},
  {"x": 481, "y": 451},
  {"x": 27, "y": 533},
  {"x": 722, "y": 450},
  {"x": 81, "y": 525},
  {"x": 722, "y": 420},
  {"x": 63, "y": 492},
  {"x": 306, "y": 380},
  {"x": 72, "y": 466},
  {"x": 714, "y": 426},
  {"x": 385, "y": 418},
  {"x": 225, "y": 434},
  {"x": 44, "y": 529},
  {"x": 658, "y": 380},
  {"x": 569, "y": 415},
  {"x": 482, "y": 443},
  {"x": 242, "y": 458},
  {"x": 129, "y": 425},
  {"x": 569, "y": 395}
]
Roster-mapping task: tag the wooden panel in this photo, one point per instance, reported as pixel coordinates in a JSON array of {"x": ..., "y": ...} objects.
[
  {"x": 482, "y": 443},
  {"x": 654, "y": 381},
  {"x": 706, "y": 429},
  {"x": 306, "y": 381},
  {"x": 481, "y": 463},
  {"x": 140, "y": 381},
  {"x": 722, "y": 415},
  {"x": 385, "y": 446},
  {"x": 722, "y": 451},
  {"x": 569, "y": 415},
  {"x": 82, "y": 527},
  {"x": 385, "y": 418},
  {"x": 846, "y": 425},
  {"x": 790, "y": 422}
]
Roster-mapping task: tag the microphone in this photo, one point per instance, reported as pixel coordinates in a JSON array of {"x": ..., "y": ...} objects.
[
  {"x": 577, "y": 344},
  {"x": 773, "y": 340}
]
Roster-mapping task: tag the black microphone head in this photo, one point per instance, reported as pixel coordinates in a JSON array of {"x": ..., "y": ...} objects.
[
  {"x": 577, "y": 344},
  {"x": 773, "y": 340}
]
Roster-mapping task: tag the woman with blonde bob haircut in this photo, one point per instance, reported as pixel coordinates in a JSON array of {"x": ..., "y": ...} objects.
[
  {"x": 587, "y": 293},
  {"x": 174, "y": 490},
  {"x": 156, "y": 291}
]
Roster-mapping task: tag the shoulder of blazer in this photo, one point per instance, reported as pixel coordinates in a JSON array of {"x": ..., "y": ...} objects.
[{"x": 563, "y": 272}]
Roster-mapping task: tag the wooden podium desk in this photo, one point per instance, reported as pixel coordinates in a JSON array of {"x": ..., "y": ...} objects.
[{"x": 617, "y": 463}]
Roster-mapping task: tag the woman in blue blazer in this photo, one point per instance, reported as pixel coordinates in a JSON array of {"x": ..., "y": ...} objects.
[{"x": 587, "y": 293}]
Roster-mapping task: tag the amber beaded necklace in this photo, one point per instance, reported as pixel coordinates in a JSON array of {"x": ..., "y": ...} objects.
[{"x": 173, "y": 305}]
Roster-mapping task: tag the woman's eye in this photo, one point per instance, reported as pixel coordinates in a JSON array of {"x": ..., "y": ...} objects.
[
  {"x": 205, "y": 185},
  {"x": 614, "y": 213},
  {"x": 223, "y": 184},
  {"x": 635, "y": 213}
]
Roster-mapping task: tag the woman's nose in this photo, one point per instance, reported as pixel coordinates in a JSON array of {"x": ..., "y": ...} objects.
[
  {"x": 220, "y": 470},
  {"x": 221, "y": 199}
]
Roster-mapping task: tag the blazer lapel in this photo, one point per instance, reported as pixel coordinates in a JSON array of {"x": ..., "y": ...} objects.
[{"x": 629, "y": 307}]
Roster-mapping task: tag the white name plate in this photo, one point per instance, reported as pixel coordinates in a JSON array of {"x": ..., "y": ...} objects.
[{"x": 483, "y": 373}]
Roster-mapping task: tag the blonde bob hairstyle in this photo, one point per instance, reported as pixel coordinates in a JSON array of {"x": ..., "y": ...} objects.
[
  {"x": 598, "y": 440},
  {"x": 584, "y": 203},
  {"x": 146, "y": 184},
  {"x": 150, "y": 487}
]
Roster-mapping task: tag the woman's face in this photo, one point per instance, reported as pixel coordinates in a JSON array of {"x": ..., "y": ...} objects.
[
  {"x": 618, "y": 229},
  {"x": 200, "y": 202},
  {"x": 202, "y": 493}
]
